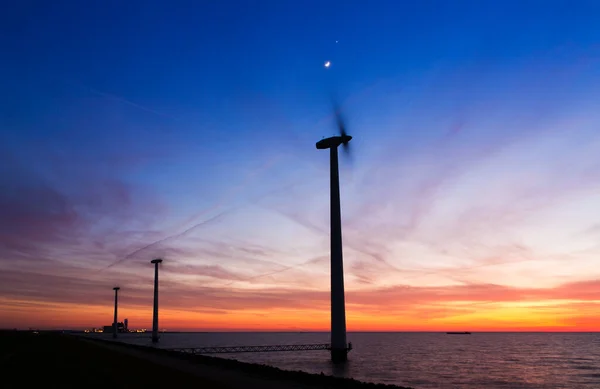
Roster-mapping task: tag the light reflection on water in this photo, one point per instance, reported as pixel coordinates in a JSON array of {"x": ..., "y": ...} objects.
[{"x": 425, "y": 360}]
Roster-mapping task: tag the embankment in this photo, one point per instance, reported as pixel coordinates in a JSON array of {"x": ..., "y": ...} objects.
[{"x": 72, "y": 361}]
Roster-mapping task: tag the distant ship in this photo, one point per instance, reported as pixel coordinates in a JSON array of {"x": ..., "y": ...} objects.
[{"x": 459, "y": 333}]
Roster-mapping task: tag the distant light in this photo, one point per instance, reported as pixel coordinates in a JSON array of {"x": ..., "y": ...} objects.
[
  {"x": 336, "y": 41},
  {"x": 327, "y": 64}
]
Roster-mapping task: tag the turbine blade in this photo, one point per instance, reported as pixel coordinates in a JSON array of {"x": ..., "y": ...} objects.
[
  {"x": 341, "y": 125},
  {"x": 348, "y": 156},
  {"x": 339, "y": 118}
]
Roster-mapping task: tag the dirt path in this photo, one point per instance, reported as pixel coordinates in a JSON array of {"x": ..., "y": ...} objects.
[{"x": 230, "y": 378}]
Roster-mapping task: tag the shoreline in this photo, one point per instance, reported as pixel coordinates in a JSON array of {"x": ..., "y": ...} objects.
[{"x": 224, "y": 367}]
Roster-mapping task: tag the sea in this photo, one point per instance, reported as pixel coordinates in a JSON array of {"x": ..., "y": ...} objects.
[{"x": 421, "y": 360}]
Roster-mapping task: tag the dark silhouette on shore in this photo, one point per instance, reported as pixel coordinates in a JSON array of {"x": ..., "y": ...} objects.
[
  {"x": 115, "y": 326},
  {"x": 70, "y": 361},
  {"x": 156, "y": 262}
]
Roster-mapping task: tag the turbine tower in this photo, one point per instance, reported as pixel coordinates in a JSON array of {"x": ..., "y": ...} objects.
[
  {"x": 155, "y": 311},
  {"x": 116, "y": 289},
  {"x": 339, "y": 347}
]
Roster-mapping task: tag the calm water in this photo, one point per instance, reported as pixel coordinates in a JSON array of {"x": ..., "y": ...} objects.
[{"x": 426, "y": 360}]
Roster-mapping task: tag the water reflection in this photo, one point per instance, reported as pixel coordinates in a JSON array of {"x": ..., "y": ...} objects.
[{"x": 426, "y": 360}]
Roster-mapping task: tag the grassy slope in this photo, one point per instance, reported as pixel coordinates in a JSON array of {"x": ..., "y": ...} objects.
[{"x": 54, "y": 361}]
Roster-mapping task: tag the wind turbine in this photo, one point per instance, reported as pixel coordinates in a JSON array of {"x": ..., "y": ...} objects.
[
  {"x": 115, "y": 326},
  {"x": 155, "y": 262},
  {"x": 339, "y": 347}
]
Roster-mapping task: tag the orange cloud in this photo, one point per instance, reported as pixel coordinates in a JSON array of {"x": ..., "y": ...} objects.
[{"x": 477, "y": 307}]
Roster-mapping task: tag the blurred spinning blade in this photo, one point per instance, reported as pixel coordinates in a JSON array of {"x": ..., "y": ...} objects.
[{"x": 341, "y": 124}]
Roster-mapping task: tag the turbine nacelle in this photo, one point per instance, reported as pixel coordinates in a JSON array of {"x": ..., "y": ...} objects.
[{"x": 334, "y": 141}]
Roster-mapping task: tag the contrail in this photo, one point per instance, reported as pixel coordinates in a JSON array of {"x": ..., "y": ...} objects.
[
  {"x": 203, "y": 223},
  {"x": 195, "y": 226},
  {"x": 314, "y": 260},
  {"x": 232, "y": 193},
  {"x": 349, "y": 243},
  {"x": 120, "y": 99}
]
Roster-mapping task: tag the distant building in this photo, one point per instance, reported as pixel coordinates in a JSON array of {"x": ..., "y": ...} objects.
[
  {"x": 126, "y": 323},
  {"x": 120, "y": 328}
]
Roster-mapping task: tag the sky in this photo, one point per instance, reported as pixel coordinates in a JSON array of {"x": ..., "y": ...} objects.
[{"x": 186, "y": 130}]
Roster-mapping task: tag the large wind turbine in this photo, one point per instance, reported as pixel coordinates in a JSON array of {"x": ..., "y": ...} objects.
[{"x": 339, "y": 347}]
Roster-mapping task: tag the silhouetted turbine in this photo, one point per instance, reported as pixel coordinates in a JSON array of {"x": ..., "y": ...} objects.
[
  {"x": 155, "y": 310},
  {"x": 116, "y": 289},
  {"x": 339, "y": 347}
]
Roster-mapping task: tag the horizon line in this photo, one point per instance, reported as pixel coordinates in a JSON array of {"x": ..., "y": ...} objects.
[{"x": 315, "y": 331}]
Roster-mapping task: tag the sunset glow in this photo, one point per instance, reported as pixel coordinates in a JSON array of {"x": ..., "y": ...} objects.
[{"x": 472, "y": 202}]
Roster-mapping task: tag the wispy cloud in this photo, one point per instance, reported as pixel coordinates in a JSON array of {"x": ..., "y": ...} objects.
[{"x": 465, "y": 203}]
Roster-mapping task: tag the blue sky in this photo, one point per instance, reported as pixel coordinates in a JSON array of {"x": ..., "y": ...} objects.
[{"x": 187, "y": 130}]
